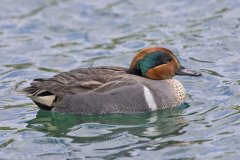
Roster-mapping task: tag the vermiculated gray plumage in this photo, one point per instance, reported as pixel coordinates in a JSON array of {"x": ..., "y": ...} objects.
[{"x": 103, "y": 90}]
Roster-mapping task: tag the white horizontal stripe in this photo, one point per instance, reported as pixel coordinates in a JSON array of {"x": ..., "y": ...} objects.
[{"x": 149, "y": 98}]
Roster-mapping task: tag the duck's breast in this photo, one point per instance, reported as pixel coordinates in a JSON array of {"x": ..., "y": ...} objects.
[{"x": 166, "y": 93}]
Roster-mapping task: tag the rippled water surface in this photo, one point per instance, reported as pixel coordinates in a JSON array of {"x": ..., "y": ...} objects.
[{"x": 42, "y": 38}]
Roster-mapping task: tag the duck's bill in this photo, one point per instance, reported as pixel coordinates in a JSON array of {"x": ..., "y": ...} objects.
[{"x": 187, "y": 72}]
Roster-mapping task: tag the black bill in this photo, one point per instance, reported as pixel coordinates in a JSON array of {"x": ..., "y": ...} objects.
[{"x": 187, "y": 72}]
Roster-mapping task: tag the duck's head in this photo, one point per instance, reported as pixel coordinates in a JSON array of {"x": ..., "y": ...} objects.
[{"x": 158, "y": 64}]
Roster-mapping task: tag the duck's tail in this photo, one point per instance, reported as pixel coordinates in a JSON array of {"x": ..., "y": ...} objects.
[{"x": 42, "y": 98}]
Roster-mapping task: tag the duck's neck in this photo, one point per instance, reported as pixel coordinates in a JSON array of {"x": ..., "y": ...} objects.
[{"x": 135, "y": 71}]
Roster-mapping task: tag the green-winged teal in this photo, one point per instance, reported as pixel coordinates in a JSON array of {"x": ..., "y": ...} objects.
[{"x": 145, "y": 86}]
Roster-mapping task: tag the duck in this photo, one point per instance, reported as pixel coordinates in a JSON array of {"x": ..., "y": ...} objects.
[{"x": 145, "y": 86}]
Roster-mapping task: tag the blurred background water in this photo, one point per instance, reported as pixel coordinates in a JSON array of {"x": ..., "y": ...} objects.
[{"x": 42, "y": 38}]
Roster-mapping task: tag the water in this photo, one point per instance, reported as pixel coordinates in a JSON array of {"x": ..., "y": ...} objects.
[{"x": 42, "y": 38}]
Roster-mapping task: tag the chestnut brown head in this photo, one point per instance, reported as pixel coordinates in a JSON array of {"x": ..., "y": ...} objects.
[{"x": 158, "y": 64}]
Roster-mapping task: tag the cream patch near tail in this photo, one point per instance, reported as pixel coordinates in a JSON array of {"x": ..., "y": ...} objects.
[{"x": 45, "y": 100}]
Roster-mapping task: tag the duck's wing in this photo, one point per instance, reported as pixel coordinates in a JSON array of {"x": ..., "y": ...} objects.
[
  {"x": 46, "y": 90},
  {"x": 123, "y": 94}
]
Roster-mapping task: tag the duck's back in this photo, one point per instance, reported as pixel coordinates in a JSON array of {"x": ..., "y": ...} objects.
[{"x": 103, "y": 90}]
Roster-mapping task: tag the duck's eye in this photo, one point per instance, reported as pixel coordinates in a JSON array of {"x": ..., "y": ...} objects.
[{"x": 165, "y": 58}]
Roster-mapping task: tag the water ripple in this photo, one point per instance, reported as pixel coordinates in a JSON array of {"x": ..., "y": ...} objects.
[{"x": 40, "y": 39}]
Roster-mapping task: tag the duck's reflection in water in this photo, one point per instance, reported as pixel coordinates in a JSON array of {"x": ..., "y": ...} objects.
[{"x": 86, "y": 128}]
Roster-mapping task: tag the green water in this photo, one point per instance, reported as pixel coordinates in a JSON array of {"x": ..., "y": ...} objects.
[{"x": 41, "y": 38}]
